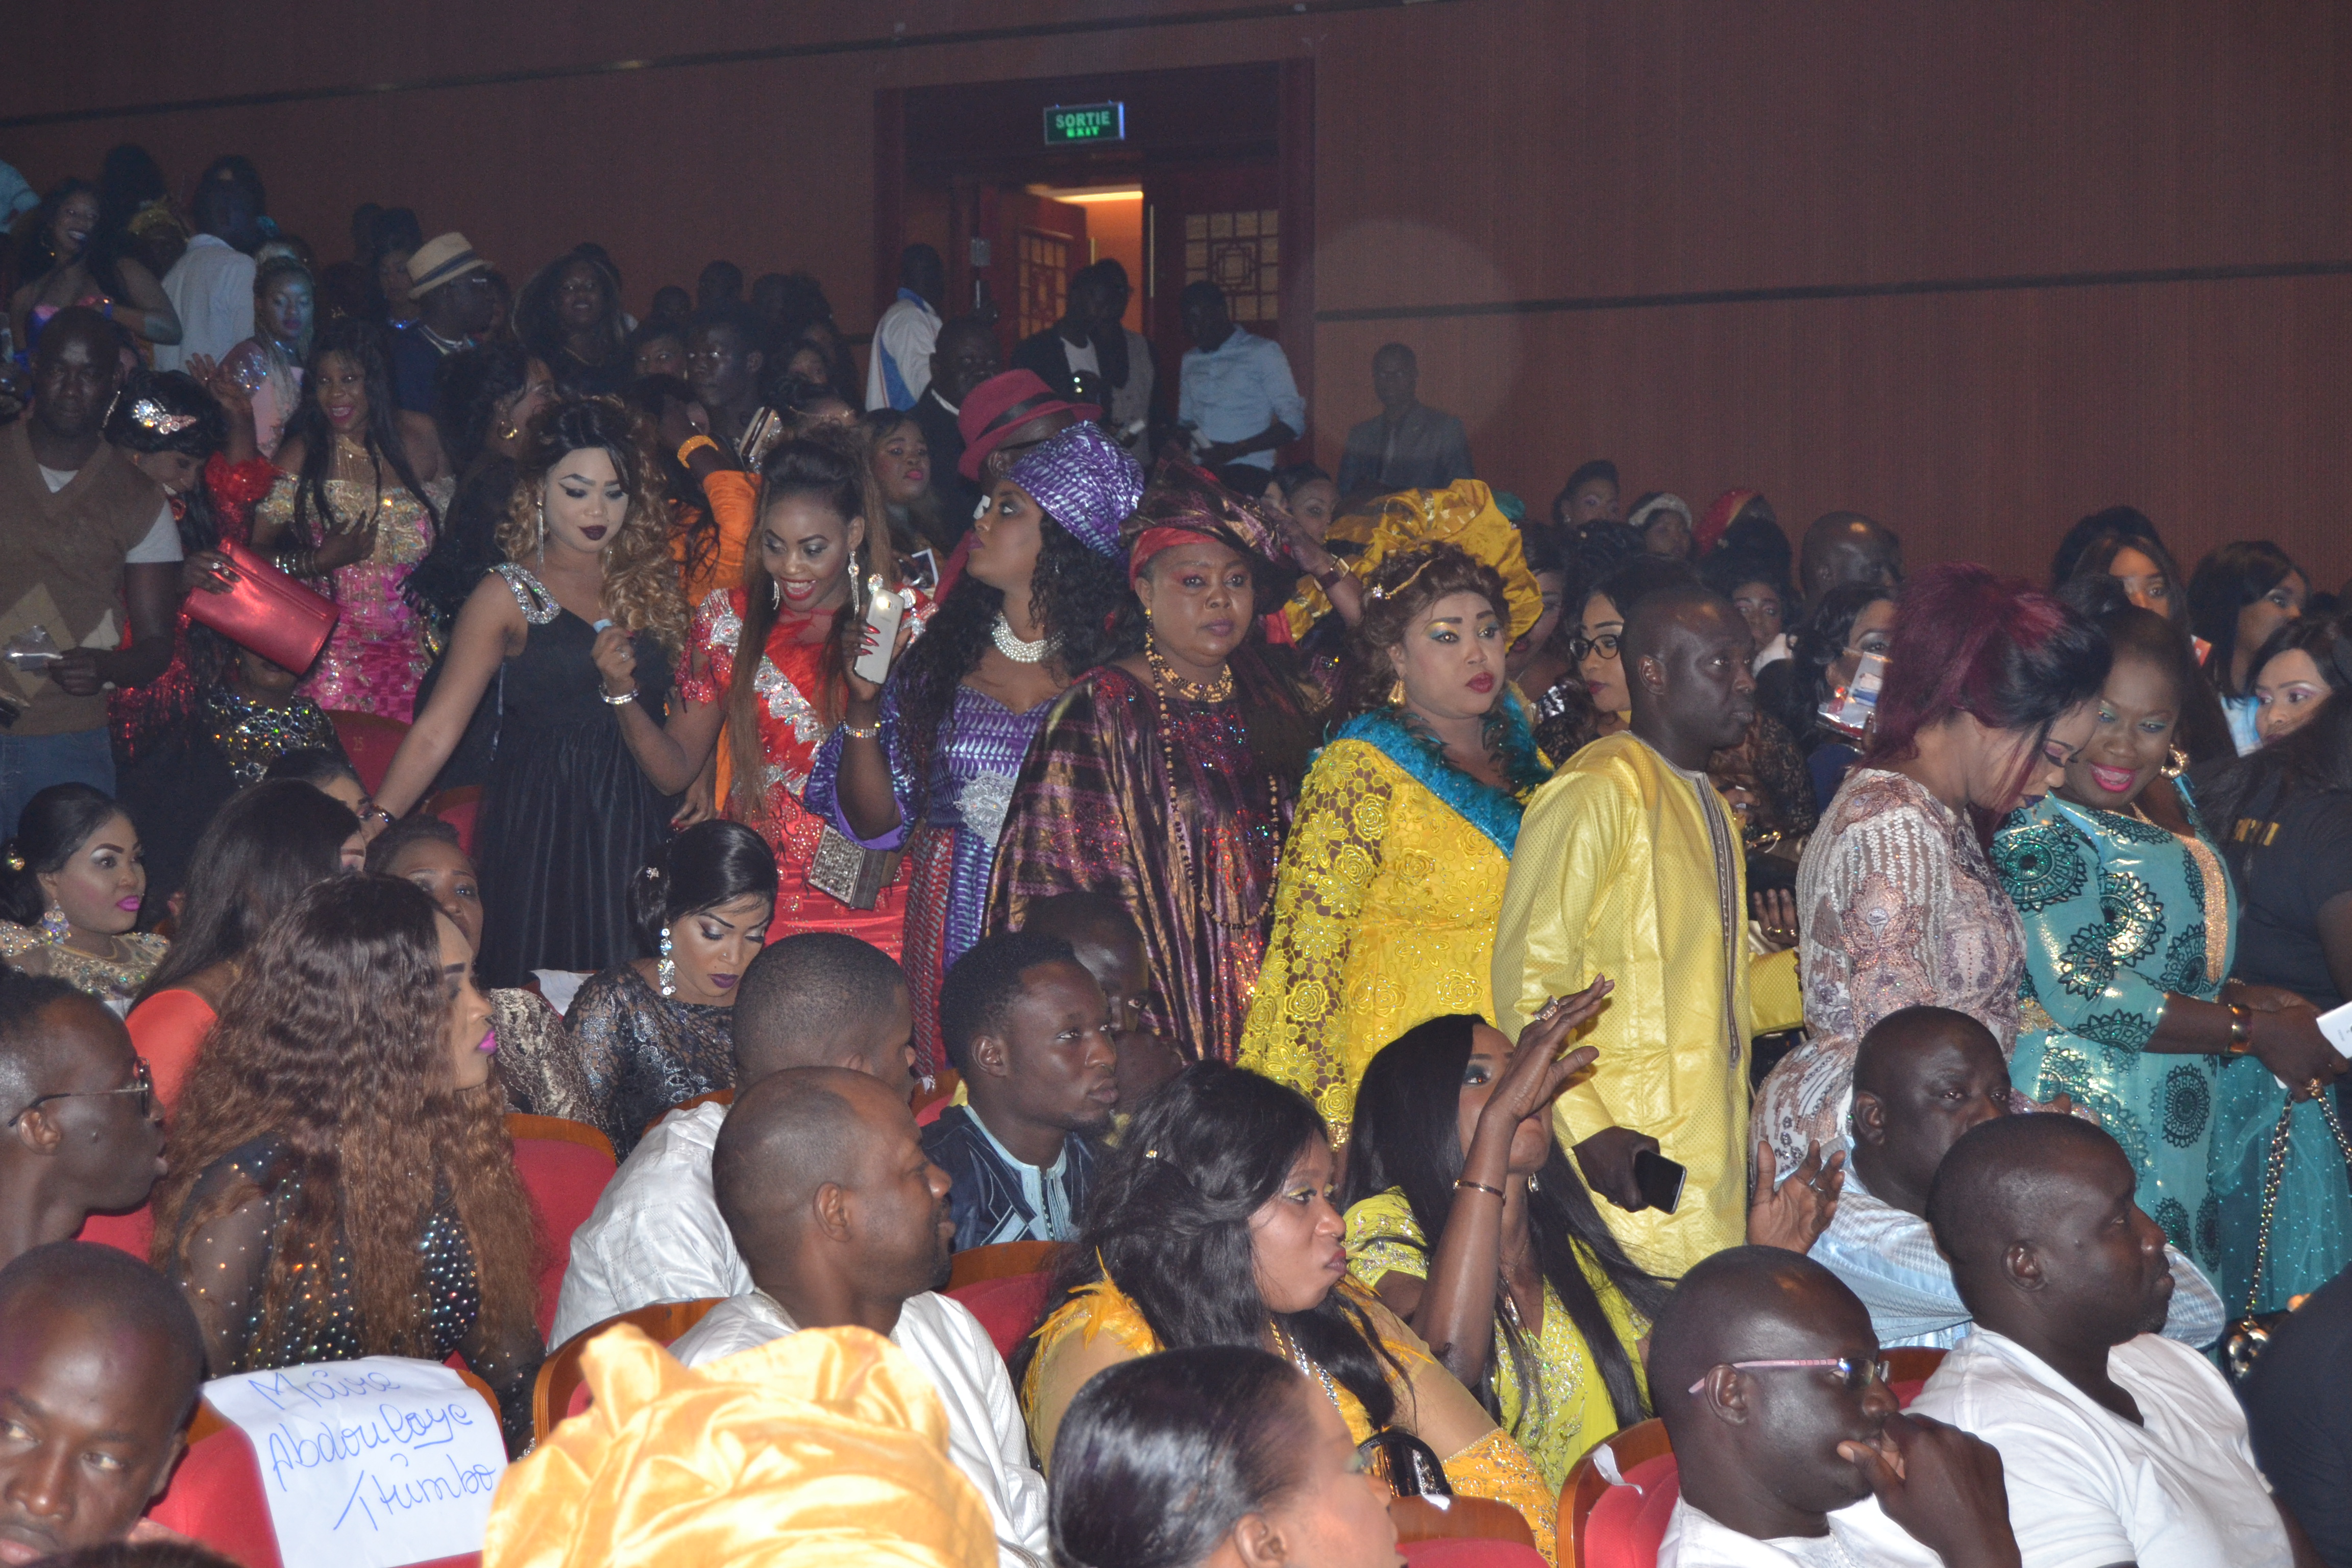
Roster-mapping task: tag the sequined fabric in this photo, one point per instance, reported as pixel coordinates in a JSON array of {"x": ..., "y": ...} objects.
[
  {"x": 142, "y": 715},
  {"x": 641, "y": 1053},
  {"x": 229, "y": 1266},
  {"x": 974, "y": 759},
  {"x": 537, "y": 1059},
  {"x": 1898, "y": 907},
  {"x": 791, "y": 731},
  {"x": 113, "y": 981},
  {"x": 252, "y": 735},
  {"x": 1159, "y": 803},
  {"x": 2117, "y": 914},
  {"x": 376, "y": 656}
]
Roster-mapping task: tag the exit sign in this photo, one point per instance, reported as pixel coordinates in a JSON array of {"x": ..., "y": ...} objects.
[{"x": 1072, "y": 124}]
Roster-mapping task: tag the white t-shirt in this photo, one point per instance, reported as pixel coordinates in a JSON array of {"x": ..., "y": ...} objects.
[
  {"x": 2087, "y": 1487},
  {"x": 1860, "y": 1536},
  {"x": 1082, "y": 358},
  {"x": 162, "y": 542}
]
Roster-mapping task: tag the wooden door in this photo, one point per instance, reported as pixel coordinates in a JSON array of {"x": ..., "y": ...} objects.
[
  {"x": 1038, "y": 244},
  {"x": 1222, "y": 222}
]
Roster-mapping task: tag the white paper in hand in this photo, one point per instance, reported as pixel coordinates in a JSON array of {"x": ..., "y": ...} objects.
[
  {"x": 2336, "y": 1025},
  {"x": 371, "y": 1463}
]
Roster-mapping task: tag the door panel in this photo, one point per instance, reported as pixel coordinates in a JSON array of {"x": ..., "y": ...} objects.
[
  {"x": 1037, "y": 245},
  {"x": 1223, "y": 223}
]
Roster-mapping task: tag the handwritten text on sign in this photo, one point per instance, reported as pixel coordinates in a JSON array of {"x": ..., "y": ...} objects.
[{"x": 371, "y": 1463}]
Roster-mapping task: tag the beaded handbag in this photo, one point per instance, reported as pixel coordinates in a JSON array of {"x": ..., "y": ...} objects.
[
  {"x": 850, "y": 871},
  {"x": 2250, "y": 1334}
]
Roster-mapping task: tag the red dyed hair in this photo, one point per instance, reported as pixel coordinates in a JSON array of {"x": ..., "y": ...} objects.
[{"x": 1968, "y": 641}]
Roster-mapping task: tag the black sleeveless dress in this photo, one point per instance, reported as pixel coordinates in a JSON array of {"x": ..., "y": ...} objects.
[{"x": 568, "y": 817}]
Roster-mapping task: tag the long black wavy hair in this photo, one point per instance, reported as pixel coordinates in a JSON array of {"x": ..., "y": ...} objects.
[
  {"x": 1169, "y": 1225},
  {"x": 1076, "y": 595},
  {"x": 362, "y": 344},
  {"x": 1406, "y": 1135}
]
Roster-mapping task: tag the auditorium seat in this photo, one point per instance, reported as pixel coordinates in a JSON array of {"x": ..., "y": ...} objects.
[
  {"x": 129, "y": 1233},
  {"x": 1476, "y": 1521},
  {"x": 1007, "y": 1306},
  {"x": 979, "y": 1263},
  {"x": 457, "y": 807},
  {"x": 561, "y": 1391},
  {"x": 565, "y": 1167},
  {"x": 370, "y": 741},
  {"x": 708, "y": 1096}
]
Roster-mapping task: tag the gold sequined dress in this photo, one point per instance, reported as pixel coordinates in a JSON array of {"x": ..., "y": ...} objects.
[{"x": 113, "y": 980}]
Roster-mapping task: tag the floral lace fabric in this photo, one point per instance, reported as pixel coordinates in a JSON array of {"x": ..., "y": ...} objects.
[{"x": 1385, "y": 917}]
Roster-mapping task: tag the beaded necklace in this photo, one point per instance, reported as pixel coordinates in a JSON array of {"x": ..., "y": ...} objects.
[{"x": 1218, "y": 691}]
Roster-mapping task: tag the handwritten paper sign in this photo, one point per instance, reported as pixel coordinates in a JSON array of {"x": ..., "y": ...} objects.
[{"x": 371, "y": 1463}]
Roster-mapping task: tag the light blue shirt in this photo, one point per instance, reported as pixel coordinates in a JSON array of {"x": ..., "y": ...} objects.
[
  {"x": 1235, "y": 391},
  {"x": 1043, "y": 1190},
  {"x": 1889, "y": 1258}
]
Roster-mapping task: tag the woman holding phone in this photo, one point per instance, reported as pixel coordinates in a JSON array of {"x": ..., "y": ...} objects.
[{"x": 768, "y": 669}]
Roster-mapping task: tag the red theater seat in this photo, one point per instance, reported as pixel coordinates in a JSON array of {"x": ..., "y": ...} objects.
[
  {"x": 370, "y": 741},
  {"x": 1008, "y": 1306},
  {"x": 565, "y": 1167}
]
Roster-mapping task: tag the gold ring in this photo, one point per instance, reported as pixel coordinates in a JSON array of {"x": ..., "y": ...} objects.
[{"x": 2315, "y": 1088}]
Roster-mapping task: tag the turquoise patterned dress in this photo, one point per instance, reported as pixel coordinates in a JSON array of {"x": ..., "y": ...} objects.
[{"x": 2117, "y": 912}]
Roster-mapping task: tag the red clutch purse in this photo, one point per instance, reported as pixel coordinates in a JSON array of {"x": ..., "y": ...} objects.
[{"x": 266, "y": 610}]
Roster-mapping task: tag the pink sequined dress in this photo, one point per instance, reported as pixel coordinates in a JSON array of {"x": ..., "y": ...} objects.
[{"x": 377, "y": 654}]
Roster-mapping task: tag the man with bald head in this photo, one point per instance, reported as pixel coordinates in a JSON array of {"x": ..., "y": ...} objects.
[
  {"x": 1789, "y": 1446},
  {"x": 1847, "y": 547},
  {"x": 82, "y": 1133},
  {"x": 1629, "y": 864},
  {"x": 100, "y": 1360},
  {"x": 842, "y": 1222},
  {"x": 815, "y": 999},
  {"x": 2119, "y": 1446},
  {"x": 1922, "y": 1077},
  {"x": 87, "y": 541}
]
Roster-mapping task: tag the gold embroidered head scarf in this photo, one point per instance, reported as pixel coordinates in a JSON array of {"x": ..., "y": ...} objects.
[
  {"x": 826, "y": 1449},
  {"x": 1463, "y": 514}
]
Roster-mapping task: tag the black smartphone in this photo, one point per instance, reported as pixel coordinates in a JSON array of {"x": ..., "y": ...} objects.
[{"x": 1659, "y": 1179}]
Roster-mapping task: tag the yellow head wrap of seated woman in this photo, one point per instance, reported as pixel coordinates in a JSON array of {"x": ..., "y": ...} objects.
[
  {"x": 1463, "y": 514},
  {"x": 826, "y": 1449}
]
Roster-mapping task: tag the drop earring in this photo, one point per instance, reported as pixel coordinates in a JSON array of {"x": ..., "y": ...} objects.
[
  {"x": 668, "y": 969},
  {"x": 775, "y": 595},
  {"x": 1396, "y": 693},
  {"x": 53, "y": 925},
  {"x": 1532, "y": 1184},
  {"x": 542, "y": 530}
]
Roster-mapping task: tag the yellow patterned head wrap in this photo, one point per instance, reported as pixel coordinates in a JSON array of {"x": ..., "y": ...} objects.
[
  {"x": 826, "y": 1449},
  {"x": 1463, "y": 514}
]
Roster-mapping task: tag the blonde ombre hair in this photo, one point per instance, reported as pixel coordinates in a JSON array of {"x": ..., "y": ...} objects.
[{"x": 641, "y": 590}]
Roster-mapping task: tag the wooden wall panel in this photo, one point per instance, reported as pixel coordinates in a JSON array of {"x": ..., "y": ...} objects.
[{"x": 1479, "y": 151}]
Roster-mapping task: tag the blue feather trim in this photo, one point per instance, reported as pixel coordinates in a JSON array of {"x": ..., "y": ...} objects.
[{"x": 1483, "y": 806}]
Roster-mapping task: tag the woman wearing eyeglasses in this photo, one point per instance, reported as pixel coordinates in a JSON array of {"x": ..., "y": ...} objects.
[
  {"x": 1602, "y": 623},
  {"x": 1851, "y": 620}
]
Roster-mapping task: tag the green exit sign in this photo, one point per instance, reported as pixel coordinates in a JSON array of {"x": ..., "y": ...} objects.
[{"x": 1071, "y": 124}]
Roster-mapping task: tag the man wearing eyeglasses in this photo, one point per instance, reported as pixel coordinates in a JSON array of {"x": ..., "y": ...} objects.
[
  {"x": 1789, "y": 1447},
  {"x": 2118, "y": 1445},
  {"x": 81, "y": 1136}
]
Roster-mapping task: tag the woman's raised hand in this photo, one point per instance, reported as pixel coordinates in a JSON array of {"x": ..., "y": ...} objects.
[{"x": 1538, "y": 1069}]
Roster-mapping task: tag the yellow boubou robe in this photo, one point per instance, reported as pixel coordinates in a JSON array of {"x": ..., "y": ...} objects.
[{"x": 1615, "y": 874}]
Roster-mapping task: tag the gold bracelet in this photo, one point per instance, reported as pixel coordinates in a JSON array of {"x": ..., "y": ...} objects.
[
  {"x": 2241, "y": 1029},
  {"x": 692, "y": 445},
  {"x": 1478, "y": 1186}
]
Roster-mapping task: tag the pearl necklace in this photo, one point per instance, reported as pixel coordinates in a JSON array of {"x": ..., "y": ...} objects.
[{"x": 1014, "y": 648}]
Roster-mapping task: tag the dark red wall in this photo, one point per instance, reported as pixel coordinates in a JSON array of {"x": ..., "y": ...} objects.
[{"x": 1479, "y": 153}]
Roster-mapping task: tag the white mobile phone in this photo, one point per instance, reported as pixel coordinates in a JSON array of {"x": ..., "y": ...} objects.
[
  {"x": 2336, "y": 1025},
  {"x": 884, "y": 611}
]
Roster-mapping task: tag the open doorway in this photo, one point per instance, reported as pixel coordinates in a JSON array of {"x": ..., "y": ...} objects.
[{"x": 1209, "y": 173}]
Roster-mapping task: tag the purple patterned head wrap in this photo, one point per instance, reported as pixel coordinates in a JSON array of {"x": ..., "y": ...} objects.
[{"x": 1086, "y": 482}]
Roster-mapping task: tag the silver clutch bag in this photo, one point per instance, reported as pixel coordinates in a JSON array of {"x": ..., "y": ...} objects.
[{"x": 850, "y": 871}]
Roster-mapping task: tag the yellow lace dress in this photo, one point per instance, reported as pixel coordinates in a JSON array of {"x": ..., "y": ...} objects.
[
  {"x": 1492, "y": 1466},
  {"x": 1384, "y": 914},
  {"x": 1570, "y": 1411}
]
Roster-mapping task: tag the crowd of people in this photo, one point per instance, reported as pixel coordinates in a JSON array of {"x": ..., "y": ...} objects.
[{"x": 1450, "y": 980}]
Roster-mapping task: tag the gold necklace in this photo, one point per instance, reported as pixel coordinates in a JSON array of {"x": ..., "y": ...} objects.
[{"x": 1218, "y": 691}]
